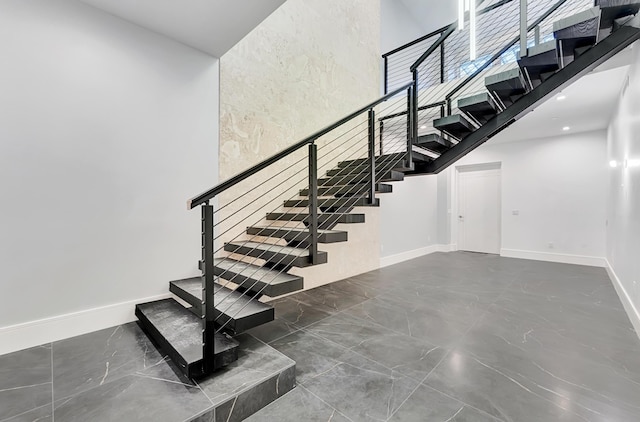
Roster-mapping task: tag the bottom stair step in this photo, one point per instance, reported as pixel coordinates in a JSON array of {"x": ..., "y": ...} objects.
[
  {"x": 178, "y": 332},
  {"x": 235, "y": 312}
]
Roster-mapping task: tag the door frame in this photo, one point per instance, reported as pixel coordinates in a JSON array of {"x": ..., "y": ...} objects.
[{"x": 455, "y": 187}]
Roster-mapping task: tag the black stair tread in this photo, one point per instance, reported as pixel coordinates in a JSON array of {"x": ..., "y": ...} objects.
[
  {"x": 542, "y": 58},
  {"x": 235, "y": 312},
  {"x": 433, "y": 142},
  {"x": 615, "y": 9},
  {"x": 387, "y": 176},
  {"x": 455, "y": 125},
  {"x": 342, "y": 218},
  {"x": 256, "y": 278},
  {"x": 577, "y": 18},
  {"x": 398, "y": 157},
  {"x": 578, "y": 30},
  {"x": 285, "y": 255},
  {"x": 481, "y": 106},
  {"x": 347, "y": 190},
  {"x": 298, "y": 234},
  {"x": 334, "y": 202},
  {"x": 179, "y": 333},
  {"x": 382, "y": 165},
  {"x": 508, "y": 86}
]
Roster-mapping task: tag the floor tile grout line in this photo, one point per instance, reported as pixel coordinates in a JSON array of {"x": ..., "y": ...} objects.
[
  {"x": 24, "y": 413},
  {"x": 419, "y": 384},
  {"x": 449, "y": 350},
  {"x": 322, "y": 400}
]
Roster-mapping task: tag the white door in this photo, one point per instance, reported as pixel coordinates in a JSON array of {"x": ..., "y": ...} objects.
[{"x": 479, "y": 209}]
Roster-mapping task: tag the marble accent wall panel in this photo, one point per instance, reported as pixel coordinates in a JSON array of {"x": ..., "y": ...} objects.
[{"x": 306, "y": 66}]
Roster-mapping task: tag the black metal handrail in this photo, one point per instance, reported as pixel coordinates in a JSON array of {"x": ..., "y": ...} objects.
[
  {"x": 218, "y": 189},
  {"x": 417, "y": 41}
]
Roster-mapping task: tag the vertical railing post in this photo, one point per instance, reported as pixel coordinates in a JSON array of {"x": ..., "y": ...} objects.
[
  {"x": 413, "y": 111},
  {"x": 313, "y": 203},
  {"x": 371, "y": 190},
  {"x": 537, "y": 35},
  {"x": 381, "y": 132},
  {"x": 442, "y": 62},
  {"x": 523, "y": 28},
  {"x": 386, "y": 75},
  {"x": 410, "y": 118},
  {"x": 208, "y": 308}
]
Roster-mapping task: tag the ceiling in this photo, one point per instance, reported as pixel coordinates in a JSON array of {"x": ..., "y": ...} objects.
[{"x": 211, "y": 26}]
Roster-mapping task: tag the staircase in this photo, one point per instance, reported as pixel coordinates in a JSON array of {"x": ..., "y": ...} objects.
[{"x": 384, "y": 141}]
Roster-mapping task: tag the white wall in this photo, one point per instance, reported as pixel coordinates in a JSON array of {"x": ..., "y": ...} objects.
[
  {"x": 558, "y": 186},
  {"x": 623, "y": 214},
  {"x": 398, "y": 25},
  {"x": 105, "y": 130},
  {"x": 409, "y": 218}
]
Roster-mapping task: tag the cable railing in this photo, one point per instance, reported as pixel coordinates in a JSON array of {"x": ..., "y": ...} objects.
[
  {"x": 245, "y": 260},
  {"x": 445, "y": 73}
]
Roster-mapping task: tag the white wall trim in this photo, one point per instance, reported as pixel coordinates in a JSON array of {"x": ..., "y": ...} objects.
[
  {"x": 415, "y": 253},
  {"x": 592, "y": 261},
  {"x": 34, "y": 333},
  {"x": 632, "y": 311}
]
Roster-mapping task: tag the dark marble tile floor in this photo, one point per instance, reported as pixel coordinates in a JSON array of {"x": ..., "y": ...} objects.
[
  {"x": 459, "y": 337},
  {"x": 118, "y": 375},
  {"x": 447, "y": 337}
]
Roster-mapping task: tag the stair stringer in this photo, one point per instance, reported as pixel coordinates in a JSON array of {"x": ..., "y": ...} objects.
[{"x": 598, "y": 54}]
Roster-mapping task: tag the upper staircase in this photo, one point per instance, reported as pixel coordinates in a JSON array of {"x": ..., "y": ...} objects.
[{"x": 420, "y": 127}]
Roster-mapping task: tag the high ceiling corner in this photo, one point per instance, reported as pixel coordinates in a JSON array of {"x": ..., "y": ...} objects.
[{"x": 211, "y": 26}]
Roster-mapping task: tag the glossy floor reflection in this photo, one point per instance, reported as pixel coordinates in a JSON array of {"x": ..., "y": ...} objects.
[
  {"x": 459, "y": 337},
  {"x": 447, "y": 337}
]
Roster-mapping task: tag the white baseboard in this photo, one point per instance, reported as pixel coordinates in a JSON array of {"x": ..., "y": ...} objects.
[
  {"x": 35, "y": 333},
  {"x": 592, "y": 261},
  {"x": 632, "y": 311},
  {"x": 416, "y": 253}
]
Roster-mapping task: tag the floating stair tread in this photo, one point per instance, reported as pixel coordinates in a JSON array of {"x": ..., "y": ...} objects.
[
  {"x": 399, "y": 157},
  {"x": 345, "y": 190},
  {"x": 433, "y": 142},
  {"x": 615, "y": 9},
  {"x": 270, "y": 282},
  {"x": 382, "y": 165},
  {"x": 285, "y": 255},
  {"x": 341, "y": 218},
  {"x": 510, "y": 81},
  {"x": 236, "y": 311},
  {"x": 481, "y": 106},
  {"x": 334, "y": 202},
  {"x": 387, "y": 176},
  {"x": 300, "y": 235},
  {"x": 542, "y": 48},
  {"x": 578, "y": 18},
  {"x": 179, "y": 332},
  {"x": 540, "y": 59},
  {"x": 455, "y": 125}
]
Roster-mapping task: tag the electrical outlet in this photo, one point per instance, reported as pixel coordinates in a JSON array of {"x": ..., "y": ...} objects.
[
  {"x": 551, "y": 245},
  {"x": 515, "y": 212}
]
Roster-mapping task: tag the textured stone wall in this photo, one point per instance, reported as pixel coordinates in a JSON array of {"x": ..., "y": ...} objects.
[{"x": 307, "y": 65}]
